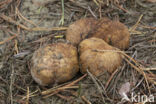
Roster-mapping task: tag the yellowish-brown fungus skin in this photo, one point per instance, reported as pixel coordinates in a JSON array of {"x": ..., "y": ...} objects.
[
  {"x": 78, "y": 30},
  {"x": 98, "y": 62},
  {"x": 113, "y": 32},
  {"x": 54, "y": 63}
]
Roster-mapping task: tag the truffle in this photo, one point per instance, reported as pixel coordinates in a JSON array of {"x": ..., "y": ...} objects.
[
  {"x": 98, "y": 62},
  {"x": 78, "y": 30},
  {"x": 113, "y": 32},
  {"x": 54, "y": 63}
]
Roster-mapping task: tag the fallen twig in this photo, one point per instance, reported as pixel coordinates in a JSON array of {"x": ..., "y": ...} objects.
[
  {"x": 133, "y": 28},
  {"x": 20, "y": 15},
  {"x": 10, "y": 38},
  {"x": 4, "y": 3},
  {"x": 110, "y": 78},
  {"x": 96, "y": 83},
  {"x": 64, "y": 97},
  {"x": 52, "y": 91},
  {"x": 85, "y": 100},
  {"x": 27, "y": 100},
  {"x": 122, "y": 8},
  {"x": 148, "y": 27},
  {"x": 6, "y": 18}
]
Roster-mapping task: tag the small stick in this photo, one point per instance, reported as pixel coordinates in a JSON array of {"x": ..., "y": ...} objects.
[
  {"x": 29, "y": 21},
  {"x": 147, "y": 69},
  {"x": 11, "y": 85},
  {"x": 16, "y": 47},
  {"x": 58, "y": 89},
  {"x": 96, "y": 2},
  {"x": 93, "y": 14},
  {"x": 7, "y": 40},
  {"x": 27, "y": 101},
  {"x": 6, "y": 18},
  {"x": 5, "y": 2},
  {"x": 137, "y": 23},
  {"x": 54, "y": 91},
  {"x": 122, "y": 8},
  {"x": 74, "y": 82},
  {"x": 62, "y": 17},
  {"x": 141, "y": 71},
  {"x": 85, "y": 100},
  {"x": 111, "y": 77},
  {"x": 148, "y": 27},
  {"x": 100, "y": 13},
  {"x": 96, "y": 83},
  {"x": 64, "y": 97},
  {"x": 31, "y": 94},
  {"x": 48, "y": 29}
]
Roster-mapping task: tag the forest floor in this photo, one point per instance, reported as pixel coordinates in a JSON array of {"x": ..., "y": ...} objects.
[{"x": 25, "y": 25}]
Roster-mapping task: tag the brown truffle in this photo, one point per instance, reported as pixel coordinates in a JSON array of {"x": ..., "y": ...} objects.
[
  {"x": 95, "y": 61},
  {"x": 77, "y": 31},
  {"x": 113, "y": 32},
  {"x": 54, "y": 63}
]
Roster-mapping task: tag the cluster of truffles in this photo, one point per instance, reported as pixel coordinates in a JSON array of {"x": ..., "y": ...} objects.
[{"x": 96, "y": 42}]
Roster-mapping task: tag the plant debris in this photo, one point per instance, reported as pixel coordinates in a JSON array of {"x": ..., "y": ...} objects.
[{"x": 26, "y": 25}]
